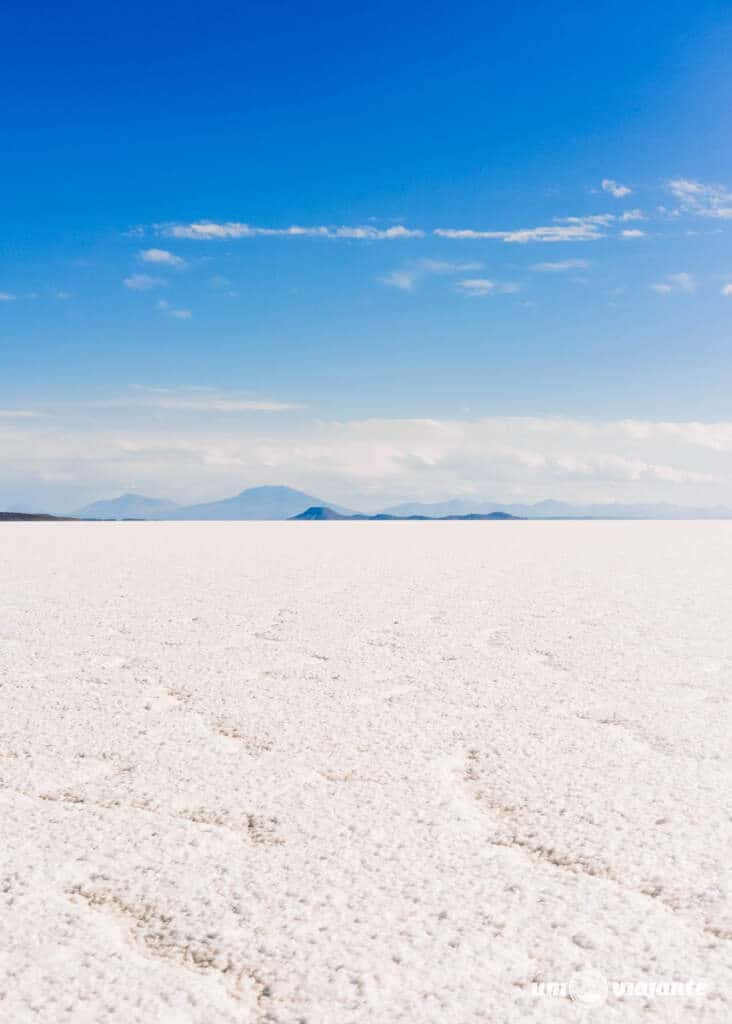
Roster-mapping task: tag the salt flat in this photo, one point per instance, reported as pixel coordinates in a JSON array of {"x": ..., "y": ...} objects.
[{"x": 365, "y": 772}]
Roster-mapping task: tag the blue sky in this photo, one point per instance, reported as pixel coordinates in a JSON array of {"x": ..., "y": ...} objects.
[{"x": 512, "y": 242}]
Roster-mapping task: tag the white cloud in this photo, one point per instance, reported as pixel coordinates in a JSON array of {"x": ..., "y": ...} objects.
[
  {"x": 479, "y": 286},
  {"x": 179, "y": 314},
  {"x": 633, "y": 215},
  {"x": 19, "y": 414},
  {"x": 7, "y": 297},
  {"x": 566, "y": 229},
  {"x": 602, "y": 219},
  {"x": 559, "y": 266},
  {"x": 615, "y": 188},
  {"x": 727, "y": 289},
  {"x": 681, "y": 282},
  {"x": 143, "y": 282},
  {"x": 703, "y": 200},
  {"x": 402, "y": 279},
  {"x": 469, "y": 233},
  {"x": 552, "y": 233},
  {"x": 161, "y": 256},
  {"x": 63, "y": 296},
  {"x": 405, "y": 278},
  {"x": 714, "y": 436},
  {"x": 632, "y": 233},
  {"x": 208, "y": 230}
]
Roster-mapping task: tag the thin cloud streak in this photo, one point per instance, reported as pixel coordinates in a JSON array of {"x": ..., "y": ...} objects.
[
  {"x": 566, "y": 229},
  {"x": 480, "y": 286},
  {"x": 210, "y": 230},
  {"x": 560, "y": 266}
]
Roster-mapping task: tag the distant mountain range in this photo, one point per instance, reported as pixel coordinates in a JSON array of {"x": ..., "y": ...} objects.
[
  {"x": 560, "y": 510},
  {"x": 279, "y": 503},
  {"x": 268, "y": 503},
  {"x": 322, "y": 513}
]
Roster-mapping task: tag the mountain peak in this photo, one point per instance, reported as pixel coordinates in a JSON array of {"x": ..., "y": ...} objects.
[{"x": 127, "y": 506}]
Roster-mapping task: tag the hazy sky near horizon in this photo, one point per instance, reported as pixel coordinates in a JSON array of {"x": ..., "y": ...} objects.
[{"x": 380, "y": 252}]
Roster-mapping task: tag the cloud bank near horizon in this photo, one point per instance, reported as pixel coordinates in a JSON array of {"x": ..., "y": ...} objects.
[{"x": 373, "y": 461}]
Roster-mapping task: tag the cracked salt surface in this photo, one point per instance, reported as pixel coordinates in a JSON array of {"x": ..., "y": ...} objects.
[{"x": 360, "y": 772}]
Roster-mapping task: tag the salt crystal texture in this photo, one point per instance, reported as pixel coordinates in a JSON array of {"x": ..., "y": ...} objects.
[{"x": 364, "y": 772}]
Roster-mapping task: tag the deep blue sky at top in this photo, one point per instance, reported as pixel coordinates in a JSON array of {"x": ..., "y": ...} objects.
[{"x": 430, "y": 115}]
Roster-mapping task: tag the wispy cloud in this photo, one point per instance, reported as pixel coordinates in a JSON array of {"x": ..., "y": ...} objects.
[
  {"x": 406, "y": 278},
  {"x": 681, "y": 282},
  {"x": 479, "y": 286},
  {"x": 615, "y": 188},
  {"x": 7, "y": 297},
  {"x": 210, "y": 230},
  {"x": 559, "y": 266},
  {"x": 178, "y": 314},
  {"x": 565, "y": 229},
  {"x": 685, "y": 282},
  {"x": 161, "y": 256},
  {"x": 143, "y": 282},
  {"x": 633, "y": 215},
  {"x": 727, "y": 289},
  {"x": 702, "y": 199},
  {"x": 19, "y": 414},
  {"x": 632, "y": 233}
]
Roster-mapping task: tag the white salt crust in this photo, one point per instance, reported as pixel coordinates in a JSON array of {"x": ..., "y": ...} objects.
[{"x": 364, "y": 772}]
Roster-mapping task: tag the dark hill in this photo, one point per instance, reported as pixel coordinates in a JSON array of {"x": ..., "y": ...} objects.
[
  {"x": 32, "y": 517},
  {"x": 322, "y": 513}
]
